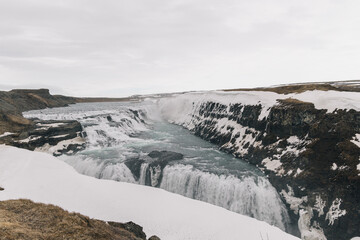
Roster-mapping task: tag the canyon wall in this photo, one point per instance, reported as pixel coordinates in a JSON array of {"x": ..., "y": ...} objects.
[{"x": 310, "y": 155}]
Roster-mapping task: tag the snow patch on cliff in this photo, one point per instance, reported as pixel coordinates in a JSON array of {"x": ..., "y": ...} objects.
[
  {"x": 56, "y": 149},
  {"x": 271, "y": 164},
  {"x": 356, "y": 140},
  {"x": 29, "y": 139},
  {"x": 179, "y": 107},
  {"x": 334, "y": 211},
  {"x": 241, "y": 136},
  {"x": 330, "y": 100},
  {"x": 6, "y": 134},
  {"x": 294, "y": 202}
]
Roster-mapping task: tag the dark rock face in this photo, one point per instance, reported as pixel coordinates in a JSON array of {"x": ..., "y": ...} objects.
[
  {"x": 159, "y": 160},
  {"x": 154, "y": 238},
  {"x": 153, "y": 170},
  {"x": 308, "y": 154},
  {"x": 163, "y": 157},
  {"x": 134, "y": 165},
  {"x": 14, "y": 102}
]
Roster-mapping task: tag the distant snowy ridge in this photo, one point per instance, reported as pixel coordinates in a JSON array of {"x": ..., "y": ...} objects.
[
  {"x": 175, "y": 106},
  {"x": 297, "y": 139},
  {"x": 43, "y": 178}
]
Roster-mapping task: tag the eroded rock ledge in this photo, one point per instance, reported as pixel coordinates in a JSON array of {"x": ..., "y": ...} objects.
[
  {"x": 57, "y": 137},
  {"x": 310, "y": 156}
]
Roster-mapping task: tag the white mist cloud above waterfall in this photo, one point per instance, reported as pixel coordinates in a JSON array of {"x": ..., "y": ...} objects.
[{"x": 120, "y": 48}]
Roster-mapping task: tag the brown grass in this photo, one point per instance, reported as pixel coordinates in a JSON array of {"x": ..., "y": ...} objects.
[
  {"x": 292, "y": 101},
  {"x": 24, "y": 219},
  {"x": 299, "y": 88},
  {"x": 39, "y": 98}
]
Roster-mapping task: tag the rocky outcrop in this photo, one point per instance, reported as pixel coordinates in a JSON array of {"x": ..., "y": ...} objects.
[
  {"x": 55, "y": 137},
  {"x": 18, "y": 131},
  {"x": 24, "y": 219},
  {"x": 309, "y": 155},
  {"x": 150, "y": 169}
]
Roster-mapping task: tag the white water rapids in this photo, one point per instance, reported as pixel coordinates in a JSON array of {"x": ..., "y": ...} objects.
[{"x": 117, "y": 132}]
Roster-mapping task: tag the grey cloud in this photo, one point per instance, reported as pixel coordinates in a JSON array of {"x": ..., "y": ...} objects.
[{"x": 144, "y": 46}]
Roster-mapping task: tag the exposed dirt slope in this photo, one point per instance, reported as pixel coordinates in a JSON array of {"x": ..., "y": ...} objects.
[{"x": 24, "y": 219}]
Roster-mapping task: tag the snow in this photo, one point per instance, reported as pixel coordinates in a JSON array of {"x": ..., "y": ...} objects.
[
  {"x": 29, "y": 139},
  {"x": 60, "y": 146},
  {"x": 60, "y": 136},
  {"x": 294, "y": 202},
  {"x": 226, "y": 126},
  {"x": 271, "y": 165},
  {"x": 293, "y": 140},
  {"x": 298, "y": 171},
  {"x": 356, "y": 140},
  {"x": 6, "y": 134},
  {"x": 334, "y": 211},
  {"x": 179, "y": 107},
  {"x": 49, "y": 125},
  {"x": 334, "y": 166},
  {"x": 43, "y": 178}
]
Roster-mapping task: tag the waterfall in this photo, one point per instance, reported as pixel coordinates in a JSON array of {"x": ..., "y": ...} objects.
[
  {"x": 143, "y": 170},
  {"x": 252, "y": 196},
  {"x": 100, "y": 168}
]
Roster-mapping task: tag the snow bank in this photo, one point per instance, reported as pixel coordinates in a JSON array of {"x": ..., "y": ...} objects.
[
  {"x": 43, "y": 178},
  {"x": 6, "y": 134},
  {"x": 177, "y": 107},
  {"x": 330, "y": 100}
]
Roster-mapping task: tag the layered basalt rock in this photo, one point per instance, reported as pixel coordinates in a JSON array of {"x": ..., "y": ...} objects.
[
  {"x": 55, "y": 137},
  {"x": 18, "y": 131},
  {"x": 309, "y": 155}
]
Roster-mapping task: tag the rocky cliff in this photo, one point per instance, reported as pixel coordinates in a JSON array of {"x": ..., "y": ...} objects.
[
  {"x": 57, "y": 137},
  {"x": 310, "y": 155}
]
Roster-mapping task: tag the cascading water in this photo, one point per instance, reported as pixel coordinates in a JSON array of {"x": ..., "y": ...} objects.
[{"x": 121, "y": 132}]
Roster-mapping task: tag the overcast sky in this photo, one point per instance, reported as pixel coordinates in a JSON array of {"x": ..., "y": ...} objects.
[{"x": 125, "y": 47}]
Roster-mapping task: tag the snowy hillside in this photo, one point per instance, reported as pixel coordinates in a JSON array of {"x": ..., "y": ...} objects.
[{"x": 43, "y": 178}]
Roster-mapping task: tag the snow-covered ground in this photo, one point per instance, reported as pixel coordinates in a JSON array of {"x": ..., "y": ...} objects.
[
  {"x": 43, "y": 178},
  {"x": 177, "y": 106}
]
